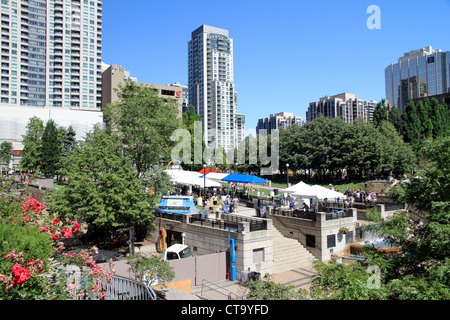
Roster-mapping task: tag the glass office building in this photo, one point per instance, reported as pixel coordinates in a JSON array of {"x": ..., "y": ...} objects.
[{"x": 418, "y": 74}]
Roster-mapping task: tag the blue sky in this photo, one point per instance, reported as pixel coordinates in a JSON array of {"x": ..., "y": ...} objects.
[{"x": 286, "y": 53}]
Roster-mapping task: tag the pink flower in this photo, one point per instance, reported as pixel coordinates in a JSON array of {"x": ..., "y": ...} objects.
[
  {"x": 43, "y": 229},
  {"x": 67, "y": 233},
  {"x": 76, "y": 226},
  {"x": 21, "y": 274}
]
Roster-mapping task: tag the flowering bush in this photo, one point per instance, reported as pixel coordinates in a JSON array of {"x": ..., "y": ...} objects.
[{"x": 31, "y": 250}]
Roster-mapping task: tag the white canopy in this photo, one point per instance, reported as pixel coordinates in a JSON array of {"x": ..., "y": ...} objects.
[
  {"x": 328, "y": 193},
  {"x": 216, "y": 175},
  {"x": 320, "y": 192},
  {"x": 191, "y": 178},
  {"x": 300, "y": 189}
]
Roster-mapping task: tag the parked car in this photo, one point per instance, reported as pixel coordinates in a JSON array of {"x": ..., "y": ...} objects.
[{"x": 177, "y": 251}]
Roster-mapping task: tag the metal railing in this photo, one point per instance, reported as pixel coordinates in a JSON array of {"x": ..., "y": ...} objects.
[
  {"x": 216, "y": 292},
  {"x": 255, "y": 224},
  {"x": 127, "y": 289},
  {"x": 339, "y": 215},
  {"x": 229, "y": 221}
]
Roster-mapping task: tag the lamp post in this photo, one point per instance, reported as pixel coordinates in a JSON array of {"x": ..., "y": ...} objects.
[
  {"x": 204, "y": 179},
  {"x": 287, "y": 174},
  {"x": 236, "y": 168}
]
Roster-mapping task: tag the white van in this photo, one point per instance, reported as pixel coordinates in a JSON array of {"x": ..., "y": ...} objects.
[{"x": 177, "y": 251}]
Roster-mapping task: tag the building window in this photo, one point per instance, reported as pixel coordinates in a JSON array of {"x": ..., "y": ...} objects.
[
  {"x": 331, "y": 241},
  {"x": 310, "y": 240},
  {"x": 349, "y": 237},
  {"x": 168, "y": 93},
  {"x": 258, "y": 255}
]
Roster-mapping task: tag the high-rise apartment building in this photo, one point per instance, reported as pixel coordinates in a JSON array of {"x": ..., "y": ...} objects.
[
  {"x": 240, "y": 128},
  {"x": 51, "y": 53},
  {"x": 51, "y": 57},
  {"x": 344, "y": 106},
  {"x": 277, "y": 121},
  {"x": 211, "y": 85},
  {"x": 418, "y": 74}
]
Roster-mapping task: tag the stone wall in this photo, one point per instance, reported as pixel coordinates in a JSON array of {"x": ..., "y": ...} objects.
[{"x": 206, "y": 240}]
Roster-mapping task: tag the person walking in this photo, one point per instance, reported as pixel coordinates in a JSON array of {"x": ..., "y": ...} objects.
[{"x": 235, "y": 204}]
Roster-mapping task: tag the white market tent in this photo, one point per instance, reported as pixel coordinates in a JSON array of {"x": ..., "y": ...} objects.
[
  {"x": 190, "y": 178},
  {"x": 302, "y": 190},
  {"x": 322, "y": 193}
]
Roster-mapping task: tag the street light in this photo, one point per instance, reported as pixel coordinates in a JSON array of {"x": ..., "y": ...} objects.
[
  {"x": 204, "y": 179},
  {"x": 287, "y": 174}
]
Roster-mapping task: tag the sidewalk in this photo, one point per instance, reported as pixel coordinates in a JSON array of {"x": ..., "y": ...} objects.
[{"x": 298, "y": 278}]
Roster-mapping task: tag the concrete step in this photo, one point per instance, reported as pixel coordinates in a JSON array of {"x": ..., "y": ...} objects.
[{"x": 288, "y": 254}]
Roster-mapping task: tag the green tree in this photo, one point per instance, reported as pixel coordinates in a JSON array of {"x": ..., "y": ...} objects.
[
  {"x": 144, "y": 124},
  {"x": 6, "y": 152},
  {"x": 32, "y": 151},
  {"x": 421, "y": 271},
  {"x": 102, "y": 187},
  {"x": 153, "y": 270},
  {"x": 269, "y": 290},
  {"x": 69, "y": 140},
  {"x": 440, "y": 119},
  {"x": 50, "y": 149},
  {"x": 188, "y": 123},
  {"x": 362, "y": 147},
  {"x": 426, "y": 125},
  {"x": 396, "y": 155},
  {"x": 380, "y": 113},
  {"x": 394, "y": 117}
]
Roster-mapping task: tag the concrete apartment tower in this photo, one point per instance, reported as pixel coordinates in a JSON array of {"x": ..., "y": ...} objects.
[
  {"x": 51, "y": 57},
  {"x": 52, "y": 53},
  {"x": 276, "y": 121},
  {"x": 211, "y": 85},
  {"x": 345, "y": 106}
]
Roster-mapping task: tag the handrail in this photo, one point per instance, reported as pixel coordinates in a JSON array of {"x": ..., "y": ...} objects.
[
  {"x": 121, "y": 288},
  {"x": 227, "y": 293}
]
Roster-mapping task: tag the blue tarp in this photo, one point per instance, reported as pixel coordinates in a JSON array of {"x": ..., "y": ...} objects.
[
  {"x": 177, "y": 204},
  {"x": 244, "y": 178}
]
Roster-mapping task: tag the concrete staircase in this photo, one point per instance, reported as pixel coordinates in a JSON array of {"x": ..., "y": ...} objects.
[{"x": 289, "y": 254}]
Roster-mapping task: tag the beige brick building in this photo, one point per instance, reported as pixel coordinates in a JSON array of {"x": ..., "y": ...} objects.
[{"x": 113, "y": 76}]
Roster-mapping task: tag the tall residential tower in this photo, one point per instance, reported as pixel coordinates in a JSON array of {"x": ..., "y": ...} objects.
[
  {"x": 51, "y": 57},
  {"x": 211, "y": 85}
]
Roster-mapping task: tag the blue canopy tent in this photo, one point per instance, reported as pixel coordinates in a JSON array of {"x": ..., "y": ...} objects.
[{"x": 244, "y": 178}]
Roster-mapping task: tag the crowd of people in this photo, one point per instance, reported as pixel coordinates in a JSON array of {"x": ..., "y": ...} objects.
[{"x": 229, "y": 204}]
